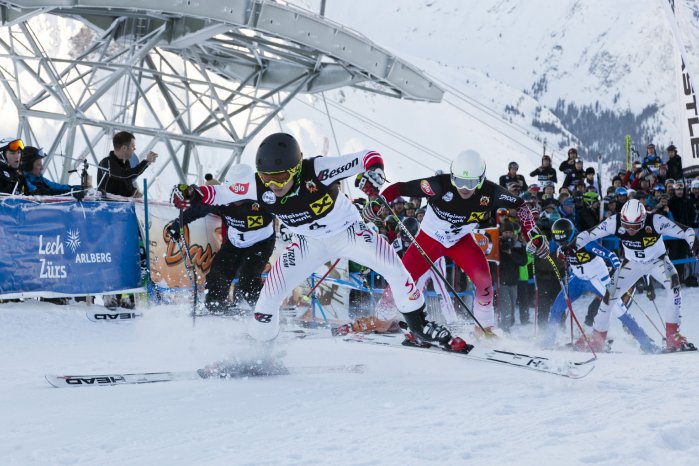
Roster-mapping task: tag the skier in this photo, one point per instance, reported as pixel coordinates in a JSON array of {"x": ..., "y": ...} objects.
[
  {"x": 305, "y": 195},
  {"x": 644, "y": 254},
  {"x": 589, "y": 275},
  {"x": 248, "y": 243},
  {"x": 456, "y": 203}
]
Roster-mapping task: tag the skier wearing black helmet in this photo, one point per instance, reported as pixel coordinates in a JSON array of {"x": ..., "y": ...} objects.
[{"x": 305, "y": 195}]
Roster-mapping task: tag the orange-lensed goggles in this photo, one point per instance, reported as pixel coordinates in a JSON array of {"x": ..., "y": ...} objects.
[{"x": 16, "y": 145}]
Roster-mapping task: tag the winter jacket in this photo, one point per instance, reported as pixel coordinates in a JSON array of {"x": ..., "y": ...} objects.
[
  {"x": 510, "y": 262},
  {"x": 674, "y": 168},
  {"x": 116, "y": 176},
  {"x": 11, "y": 180},
  {"x": 42, "y": 186},
  {"x": 544, "y": 174}
]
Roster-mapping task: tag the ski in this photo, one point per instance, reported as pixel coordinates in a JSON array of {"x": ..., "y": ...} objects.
[
  {"x": 239, "y": 371},
  {"x": 112, "y": 316},
  {"x": 565, "y": 368}
]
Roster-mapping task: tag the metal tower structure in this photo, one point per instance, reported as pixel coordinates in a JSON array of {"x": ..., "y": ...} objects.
[{"x": 197, "y": 78}]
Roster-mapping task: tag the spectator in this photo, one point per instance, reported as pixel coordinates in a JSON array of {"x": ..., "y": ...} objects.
[
  {"x": 417, "y": 202},
  {"x": 545, "y": 172},
  {"x": 617, "y": 182},
  {"x": 514, "y": 188},
  {"x": 115, "y": 173},
  {"x": 610, "y": 208},
  {"x": 547, "y": 283},
  {"x": 674, "y": 163},
  {"x": 662, "y": 173},
  {"x": 409, "y": 210},
  {"x": 683, "y": 212},
  {"x": 549, "y": 190},
  {"x": 32, "y": 167},
  {"x": 622, "y": 195},
  {"x": 662, "y": 207},
  {"x": 399, "y": 207},
  {"x": 568, "y": 166},
  {"x": 209, "y": 180},
  {"x": 512, "y": 176},
  {"x": 11, "y": 179},
  {"x": 693, "y": 197},
  {"x": 550, "y": 210},
  {"x": 589, "y": 214},
  {"x": 577, "y": 174},
  {"x": 591, "y": 180},
  {"x": 420, "y": 214},
  {"x": 567, "y": 209},
  {"x": 512, "y": 256},
  {"x": 651, "y": 159}
]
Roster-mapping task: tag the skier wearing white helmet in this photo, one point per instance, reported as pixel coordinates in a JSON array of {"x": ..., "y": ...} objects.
[
  {"x": 641, "y": 234},
  {"x": 456, "y": 203}
]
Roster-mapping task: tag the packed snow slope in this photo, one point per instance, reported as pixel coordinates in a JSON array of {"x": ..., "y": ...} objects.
[{"x": 408, "y": 408}]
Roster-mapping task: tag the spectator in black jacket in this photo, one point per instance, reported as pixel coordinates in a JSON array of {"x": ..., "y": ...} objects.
[
  {"x": 589, "y": 213},
  {"x": 674, "y": 163},
  {"x": 11, "y": 179},
  {"x": 512, "y": 176},
  {"x": 577, "y": 174},
  {"x": 512, "y": 257},
  {"x": 568, "y": 166},
  {"x": 115, "y": 174},
  {"x": 545, "y": 172},
  {"x": 682, "y": 212}
]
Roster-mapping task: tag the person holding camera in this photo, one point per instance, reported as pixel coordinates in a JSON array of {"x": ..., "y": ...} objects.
[{"x": 512, "y": 256}]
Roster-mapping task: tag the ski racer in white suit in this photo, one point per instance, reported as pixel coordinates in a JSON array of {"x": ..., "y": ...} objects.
[
  {"x": 644, "y": 254},
  {"x": 305, "y": 195}
]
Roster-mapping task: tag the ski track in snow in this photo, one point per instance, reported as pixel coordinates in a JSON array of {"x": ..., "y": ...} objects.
[{"x": 407, "y": 408}]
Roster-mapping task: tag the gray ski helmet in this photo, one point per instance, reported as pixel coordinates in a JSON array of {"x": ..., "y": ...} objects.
[
  {"x": 278, "y": 152},
  {"x": 412, "y": 225}
]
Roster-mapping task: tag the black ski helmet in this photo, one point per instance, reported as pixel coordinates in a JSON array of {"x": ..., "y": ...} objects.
[
  {"x": 563, "y": 231},
  {"x": 412, "y": 225},
  {"x": 278, "y": 152},
  {"x": 29, "y": 155}
]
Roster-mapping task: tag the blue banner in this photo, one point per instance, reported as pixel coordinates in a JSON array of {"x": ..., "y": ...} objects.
[{"x": 67, "y": 248}]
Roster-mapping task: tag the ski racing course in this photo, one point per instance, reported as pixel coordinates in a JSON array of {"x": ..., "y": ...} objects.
[{"x": 400, "y": 407}]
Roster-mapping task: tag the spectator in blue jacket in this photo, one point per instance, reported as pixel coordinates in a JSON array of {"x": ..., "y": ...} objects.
[{"x": 32, "y": 166}]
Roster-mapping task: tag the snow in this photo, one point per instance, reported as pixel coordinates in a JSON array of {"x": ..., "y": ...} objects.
[{"x": 408, "y": 408}]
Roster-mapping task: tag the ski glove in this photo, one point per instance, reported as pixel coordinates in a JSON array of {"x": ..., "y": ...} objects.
[
  {"x": 371, "y": 181},
  {"x": 539, "y": 246},
  {"x": 370, "y": 211},
  {"x": 183, "y": 195},
  {"x": 173, "y": 230}
]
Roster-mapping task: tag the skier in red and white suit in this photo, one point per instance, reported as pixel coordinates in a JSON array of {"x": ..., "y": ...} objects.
[
  {"x": 456, "y": 202},
  {"x": 305, "y": 195}
]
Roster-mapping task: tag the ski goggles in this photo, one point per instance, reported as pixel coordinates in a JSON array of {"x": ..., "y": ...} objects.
[
  {"x": 467, "y": 183},
  {"x": 278, "y": 179},
  {"x": 15, "y": 145},
  {"x": 631, "y": 227}
]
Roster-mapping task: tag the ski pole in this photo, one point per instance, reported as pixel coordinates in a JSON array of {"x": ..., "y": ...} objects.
[
  {"x": 434, "y": 268},
  {"x": 308, "y": 295},
  {"x": 191, "y": 270},
  {"x": 647, "y": 316},
  {"x": 570, "y": 305}
]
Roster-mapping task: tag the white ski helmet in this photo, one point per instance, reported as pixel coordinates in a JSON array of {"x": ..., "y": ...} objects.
[
  {"x": 468, "y": 170},
  {"x": 633, "y": 213}
]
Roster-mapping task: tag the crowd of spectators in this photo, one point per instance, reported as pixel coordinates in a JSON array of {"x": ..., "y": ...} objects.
[{"x": 659, "y": 184}]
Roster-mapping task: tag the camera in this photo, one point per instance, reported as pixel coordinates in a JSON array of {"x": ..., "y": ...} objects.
[{"x": 507, "y": 243}]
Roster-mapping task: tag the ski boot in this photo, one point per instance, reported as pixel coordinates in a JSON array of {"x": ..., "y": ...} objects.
[
  {"x": 598, "y": 342},
  {"x": 423, "y": 332},
  {"x": 675, "y": 340}
]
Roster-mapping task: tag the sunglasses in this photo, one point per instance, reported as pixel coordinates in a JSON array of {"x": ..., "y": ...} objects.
[
  {"x": 278, "y": 179},
  {"x": 16, "y": 145}
]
